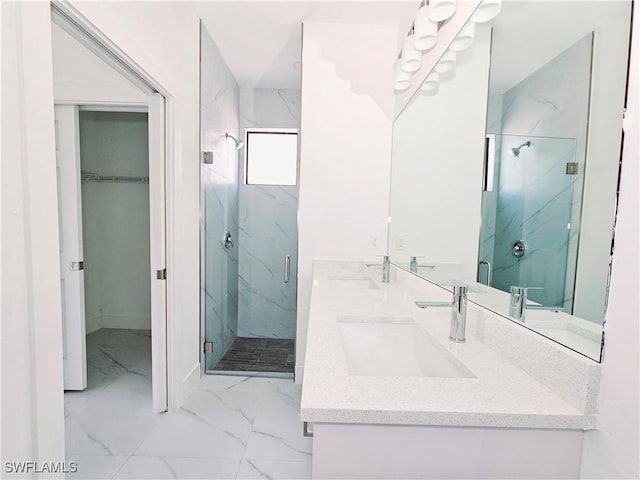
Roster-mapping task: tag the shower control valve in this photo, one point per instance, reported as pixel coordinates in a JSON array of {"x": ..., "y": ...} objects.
[
  {"x": 228, "y": 241},
  {"x": 519, "y": 249}
]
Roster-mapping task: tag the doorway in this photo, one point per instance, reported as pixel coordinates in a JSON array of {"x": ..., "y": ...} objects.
[
  {"x": 110, "y": 145},
  {"x": 249, "y": 230}
]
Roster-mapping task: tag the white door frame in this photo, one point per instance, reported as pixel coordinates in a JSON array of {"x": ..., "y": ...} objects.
[{"x": 160, "y": 121}]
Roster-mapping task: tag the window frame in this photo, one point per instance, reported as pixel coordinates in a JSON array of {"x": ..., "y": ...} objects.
[{"x": 277, "y": 131}]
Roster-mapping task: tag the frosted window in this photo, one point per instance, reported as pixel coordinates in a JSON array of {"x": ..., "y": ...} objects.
[{"x": 272, "y": 158}]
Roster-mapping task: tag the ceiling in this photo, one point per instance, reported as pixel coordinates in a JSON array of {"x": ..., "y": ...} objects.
[{"x": 261, "y": 41}]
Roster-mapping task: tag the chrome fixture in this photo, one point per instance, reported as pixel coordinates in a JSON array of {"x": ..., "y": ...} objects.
[
  {"x": 287, "y": 268},
  {"x": 238, "y": 143},
  {"x": 519, "y": 248},
  {"x": 518, "y": 304},
  {"x": 458, "y": 312},
  {"x": 516, "y": 150},
  {"x": 413, "y": 264},
  {"x": 227, "y": 240},
  {"x": 386, "y": 265},
  {"x": 489, "y": 271}
]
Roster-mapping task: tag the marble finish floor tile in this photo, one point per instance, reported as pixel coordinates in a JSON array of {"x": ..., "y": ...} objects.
[
  {"x": 229, "y": 427},
  {"x": 259, "y": 355},
  {"x": 157, "y": 468},
  {"x": 254, "y": 469},
  {"x": 90, "y": 467}
]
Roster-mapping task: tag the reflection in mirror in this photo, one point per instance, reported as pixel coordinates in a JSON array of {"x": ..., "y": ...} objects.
[
  {"x": 531, "y": 215},
  {"x": 516, "y": 197}
]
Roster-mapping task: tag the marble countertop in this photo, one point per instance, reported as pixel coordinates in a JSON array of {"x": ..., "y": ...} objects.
[{"x": 499, "y": 395}]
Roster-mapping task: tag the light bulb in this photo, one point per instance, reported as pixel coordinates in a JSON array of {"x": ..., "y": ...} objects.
[
  {"x": 425, "y": 30},
  {"x": 441, "y": 10},
  {"x": 487, "y": 10}
]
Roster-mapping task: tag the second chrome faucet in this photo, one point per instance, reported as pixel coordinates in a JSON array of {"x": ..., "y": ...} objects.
[{"x": 458, "y": 306}]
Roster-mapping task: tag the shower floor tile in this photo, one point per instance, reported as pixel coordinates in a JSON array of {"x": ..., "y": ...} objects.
[{"x": 259, "y": 355}]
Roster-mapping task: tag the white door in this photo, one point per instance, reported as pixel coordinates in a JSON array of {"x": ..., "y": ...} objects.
[
  {"x": 157, "y": 210},
  {"x": 71, "y": 261}
]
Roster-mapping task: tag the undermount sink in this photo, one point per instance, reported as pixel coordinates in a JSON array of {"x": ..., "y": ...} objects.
[
  {"x": 357, "y": 282},
  {"x": 395, "y": 346}
]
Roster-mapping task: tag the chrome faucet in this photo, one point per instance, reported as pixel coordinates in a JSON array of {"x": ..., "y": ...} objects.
[
  {"x": 413, "y": 264},
  {"x": 458, "y": 306},
  {"x": 518, "y": 304},
  {"x": 386, "y": 265}
]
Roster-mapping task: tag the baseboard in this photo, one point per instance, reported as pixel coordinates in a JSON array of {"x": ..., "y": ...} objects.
[
  {"x": 299, "y": 373},
  {"x": 92, "y": 324},
  {"x": 191, "y": 381},
  {"x": 134, "y": 322}
]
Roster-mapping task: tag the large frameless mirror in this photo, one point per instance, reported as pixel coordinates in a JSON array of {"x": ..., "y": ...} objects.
[{"x": 506, "y": 178}]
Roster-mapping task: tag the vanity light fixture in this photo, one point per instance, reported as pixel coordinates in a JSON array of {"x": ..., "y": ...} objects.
[
  {"x": 441, "y": 10},
  {"x": 425, "y": 29},
  {"x": 430, "y": 84},
  {"x": 465, "y": 38},
  {"x": 411, "y": 59},
  {"x": 487, "y": 10},
  {"x": 447, "y": 62},
  {"x": 401, "y": 79}
]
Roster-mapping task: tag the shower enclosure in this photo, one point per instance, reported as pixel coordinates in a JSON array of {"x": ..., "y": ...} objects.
[
  {"x": 248, "y": 251},
  {"x": 530, "y": 216}
]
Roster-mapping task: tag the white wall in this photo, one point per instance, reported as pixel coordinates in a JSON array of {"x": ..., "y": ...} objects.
[
  {"x": 163, "y": 38},
  {"x": 603, "y": 150},
  {"x": 32, "y": 396},
  {"x": 345, "y": 152},
  {"x": 612, "y": 450},
  {"x": 80, "y": 76},
  {"x": 437, "y": 167},
  {"x": 115, "y": 221}
]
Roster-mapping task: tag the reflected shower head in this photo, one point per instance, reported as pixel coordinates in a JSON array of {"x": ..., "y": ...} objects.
[
  {"x": 516, "y": 150},
  {"x": 239, "y": 144}
]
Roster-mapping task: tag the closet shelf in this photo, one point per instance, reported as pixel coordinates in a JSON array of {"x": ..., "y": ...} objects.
[{"x": 96, "y": 177}]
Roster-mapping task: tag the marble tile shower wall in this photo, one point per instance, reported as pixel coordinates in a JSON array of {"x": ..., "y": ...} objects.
[
  {"x": 552, "y": 102},
  {"x": 535, "y": 205},
  {"x": 268, "y": 227},
  {"x": 219, "y": 184}
]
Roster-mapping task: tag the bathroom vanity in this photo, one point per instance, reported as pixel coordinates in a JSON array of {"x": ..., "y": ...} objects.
[{"x": 390, "y": 396}]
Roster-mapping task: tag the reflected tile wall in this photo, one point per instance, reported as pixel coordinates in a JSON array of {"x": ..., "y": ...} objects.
[
  {"x": 268, "y": 228},
  {"x": 534, "y": 205},
  {"x": 552, "y": 102},
  {"x": 219, "y": 190}
]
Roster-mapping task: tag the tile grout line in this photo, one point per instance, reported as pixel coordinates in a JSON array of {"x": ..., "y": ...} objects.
[{"x": 121, "y": 467}]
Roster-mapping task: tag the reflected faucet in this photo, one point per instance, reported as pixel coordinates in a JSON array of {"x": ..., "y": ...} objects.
[
  {"x": 458, "y": 306},
  {"x": 518, "y": 304},
  {"x": 386, "y": 264},
  {"x": 413, "y": 264}
]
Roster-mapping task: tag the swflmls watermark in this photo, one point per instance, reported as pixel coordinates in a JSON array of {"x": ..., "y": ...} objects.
[{"x": 31, "y": 466}]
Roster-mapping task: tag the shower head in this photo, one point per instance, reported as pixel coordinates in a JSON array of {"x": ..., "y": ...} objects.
[
  {"x": 239, "y": 144},
  {"x": 516, "y": 150}
]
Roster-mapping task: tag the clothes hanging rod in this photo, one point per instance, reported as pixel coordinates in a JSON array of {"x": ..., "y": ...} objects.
[{"x": 96, "y": 177}]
